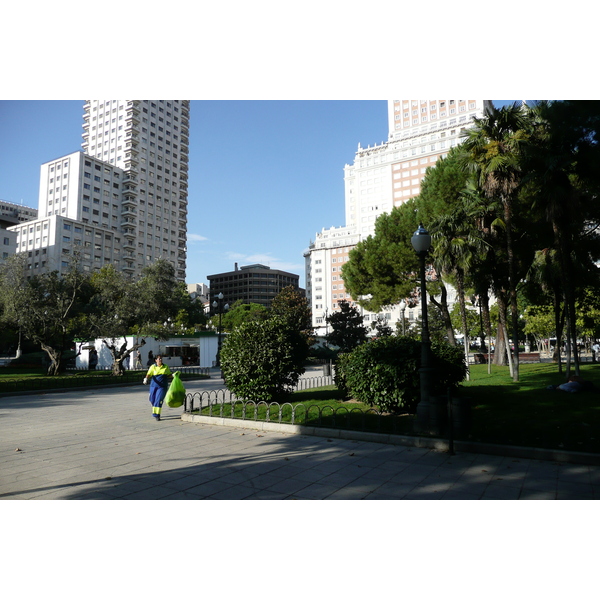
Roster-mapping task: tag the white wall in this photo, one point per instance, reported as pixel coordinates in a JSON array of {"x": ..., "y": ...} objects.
[{"x": 207, "y": 346}]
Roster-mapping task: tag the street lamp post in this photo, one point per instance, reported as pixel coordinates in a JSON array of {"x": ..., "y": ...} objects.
[
  {"x": 428, "y": 416},
  {"x": 402, "y": 309},
  {"x": 219, "y": 305}
]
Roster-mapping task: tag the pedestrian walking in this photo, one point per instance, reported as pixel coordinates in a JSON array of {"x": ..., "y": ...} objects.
[
  {"x": 150, "y": 359},
  {"x": 137, "y": 363},
  {"x": 160, "y": 378},
  {"x": 93, "y": 360}
]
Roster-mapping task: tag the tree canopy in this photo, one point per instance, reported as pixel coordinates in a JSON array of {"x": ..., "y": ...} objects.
[{"x": 513, "y": 212}]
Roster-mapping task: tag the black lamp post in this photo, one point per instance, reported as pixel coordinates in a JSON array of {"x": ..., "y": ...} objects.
[
  {"x": 427, "y": 413},
  {"x": 218, "y": 304}
]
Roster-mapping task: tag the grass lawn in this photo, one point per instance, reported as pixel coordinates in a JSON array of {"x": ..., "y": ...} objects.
[
  {"x": 503, "y": 412},
  {"x": 528, "y": 414},
  {"x": 35, "y": 379}
]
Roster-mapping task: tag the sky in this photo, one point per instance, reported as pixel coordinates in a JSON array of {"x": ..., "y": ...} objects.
[{"x": 264, "y": 176}]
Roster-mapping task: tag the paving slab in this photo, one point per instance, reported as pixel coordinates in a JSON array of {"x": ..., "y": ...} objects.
[{"x": 103, "y": 444}]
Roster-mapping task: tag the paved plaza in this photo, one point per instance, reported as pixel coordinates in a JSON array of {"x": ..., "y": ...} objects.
[{"x": 104, "y": 444}]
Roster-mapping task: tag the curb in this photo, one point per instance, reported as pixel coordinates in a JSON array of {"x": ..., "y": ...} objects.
[
  {"x": 69, "y": 389},
  {"x": 442, "y": 445},
  {"x": 73, "y": 389}
]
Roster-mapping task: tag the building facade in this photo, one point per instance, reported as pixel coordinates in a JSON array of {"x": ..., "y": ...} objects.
[
  {"x": 382, "y": 177},
  {"x": 10, "y": 215},
  {"x": 123, "y": 199},
  {"x": 258, "y": 284}
]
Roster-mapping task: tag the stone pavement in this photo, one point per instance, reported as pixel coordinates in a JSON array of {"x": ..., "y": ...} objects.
[{"x": 104, "y": 444}]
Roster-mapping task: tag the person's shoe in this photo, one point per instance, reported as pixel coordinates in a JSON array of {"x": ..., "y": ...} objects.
[{"x": 158, "y": 417}]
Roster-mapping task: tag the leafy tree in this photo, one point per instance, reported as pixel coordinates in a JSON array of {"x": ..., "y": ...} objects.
[
  {"x": 241, "y": 312},
  {"x": 383, "y": 269},
  {"x": 441, "y": 205},
  {"x": 260, "y": 360},
  {"x": 382, "y": 329},
  {"x": 472, "y": 319},
  {"x": 493, "y": 151},
  {"x": 112, "y": 313},
  {"x": 561, "y": 162},
  {"x": 147, "y": 307},
  {"x": 292, "y": 307},
  {"x": 159, "y": 296},
  {"x": 191, "y": 316},
  {"x": 347, "y": 329},
  {"x": 46, "y": 307},
  {"x": 539, "y": 322}
]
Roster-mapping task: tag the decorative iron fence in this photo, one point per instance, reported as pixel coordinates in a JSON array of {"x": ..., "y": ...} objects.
[
  {"x": 335, "y": 417},
  {"x": 224, "y": 404}
]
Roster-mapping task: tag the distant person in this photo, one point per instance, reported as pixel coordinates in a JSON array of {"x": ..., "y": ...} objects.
[
  {"x": 150, "y": 359},
  {"x": 160, "y": 379},
  {"x": 595, "y": 350},
  {"x": 137, "y": 363},
  {"x": 93, "y": 359}
]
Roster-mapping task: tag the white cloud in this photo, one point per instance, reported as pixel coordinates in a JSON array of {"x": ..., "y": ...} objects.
[
  {"x": 194, "y": 237},
  {"x": 268, "y": 260}
]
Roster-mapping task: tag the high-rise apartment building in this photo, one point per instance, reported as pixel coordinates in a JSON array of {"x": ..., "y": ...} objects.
[
  {"x": 382, "y": 177},
  {"x": 123, "y": 199}
]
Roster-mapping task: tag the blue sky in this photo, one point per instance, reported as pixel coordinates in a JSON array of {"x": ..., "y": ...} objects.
[{"x": 264, "y": 176}]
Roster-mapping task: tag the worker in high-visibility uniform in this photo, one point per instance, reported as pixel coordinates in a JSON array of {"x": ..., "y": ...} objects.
[{"x": 160, "y": 379}]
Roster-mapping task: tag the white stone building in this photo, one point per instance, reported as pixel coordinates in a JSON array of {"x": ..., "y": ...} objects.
[
  {"x": 382, "y": 177},
  {"x": 12, "y": 214},
  {"x": 123, "y": 199}
]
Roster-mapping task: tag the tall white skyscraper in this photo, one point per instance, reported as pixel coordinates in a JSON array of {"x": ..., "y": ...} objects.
[
  {"x": 123, "y": 199},
  {"x": 382, "y": 177}
]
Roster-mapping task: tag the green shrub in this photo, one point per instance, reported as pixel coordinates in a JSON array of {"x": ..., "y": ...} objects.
[
  {"x": 261, "y": 360},
  {"x": 385, "y": 372}
]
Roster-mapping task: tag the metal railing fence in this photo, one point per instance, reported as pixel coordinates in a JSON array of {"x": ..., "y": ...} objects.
[{"x": 223, "y": 403}]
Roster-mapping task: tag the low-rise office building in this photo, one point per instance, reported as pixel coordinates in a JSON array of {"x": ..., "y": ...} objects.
[{"x": 257, "y": 284}]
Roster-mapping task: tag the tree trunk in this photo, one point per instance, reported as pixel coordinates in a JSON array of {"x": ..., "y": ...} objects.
[
  {"x": 442, "y": 305},
  {"x": 55, "y": 357},
  {"x": 485, "y": 309},
  {"x": 463, "y": 316},
  {"x": 509, "y": 356},
  {"x": 573, "y": 335},
  {"x": 559, "y": 318},
  {"x": 119, "y": 354},
  {"x": 512, "y": 284},
  {"x": 568, "y": 348},
  {"x": 501, "y": 342},
  {"x": 500, "y": 348}
]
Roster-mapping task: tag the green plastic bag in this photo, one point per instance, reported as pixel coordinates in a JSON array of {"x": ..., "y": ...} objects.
[{"x": 176, "y": 392}]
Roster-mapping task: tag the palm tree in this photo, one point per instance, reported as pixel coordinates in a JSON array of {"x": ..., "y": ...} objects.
[
  {"x": 493, "y": 148},
  {"x": 489, "y": 273},
  {"x": 561, "y": 161},
  {"x": 454, "y": 254}
]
